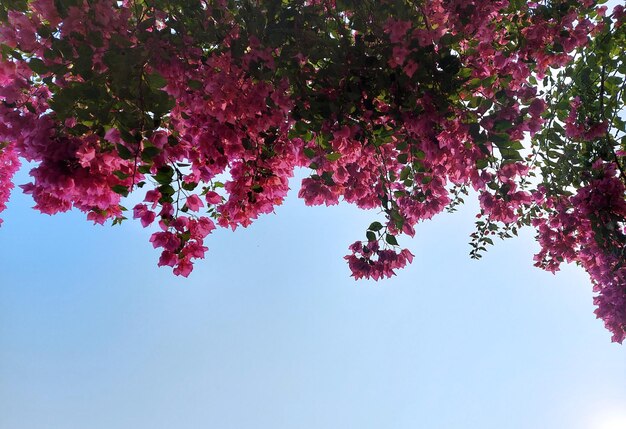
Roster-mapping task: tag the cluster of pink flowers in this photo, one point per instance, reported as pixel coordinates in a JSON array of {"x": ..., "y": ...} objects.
[
  {"x": 230, "y": 124},
  {"x": 9, "y": 164},
  {"x": 355, "y": 174},
  {"x": 368, "y": 260},
  {"x": 587, "y": 131},
  {"x": 505, "y": 204},
  {"x": 68, "y": 174},
  {"x": 588, "y": 229}
]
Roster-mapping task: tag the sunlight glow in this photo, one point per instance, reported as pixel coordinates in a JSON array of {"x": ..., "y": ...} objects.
[{"x": 612, "y": 420}]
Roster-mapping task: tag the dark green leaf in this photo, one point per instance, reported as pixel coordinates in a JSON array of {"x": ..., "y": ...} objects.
[
  {"x": 375, "y": 226},
  {"x": 156, "y": 81},
  {"x": 120, "y": 189},
  {"x": 38, "y": 66},
  {"x": 391, "y": 239}
]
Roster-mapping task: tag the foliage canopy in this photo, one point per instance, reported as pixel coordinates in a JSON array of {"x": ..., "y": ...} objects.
[{"x": 206, "y": 107}]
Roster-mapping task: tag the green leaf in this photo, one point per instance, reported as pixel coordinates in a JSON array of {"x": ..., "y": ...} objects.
[
  {"x": 95, "y": 39},
  {"x": 149, "y": 153},
  {"x": 156, "y": 81},
  {"x": 164, "y": 175},
  {"x": 391, "y": 239},
  {"x": 162, "y": 103},
  {"x": 500, "y": 140},
  {"x": 120, "y": 189},
  {"x": 120, "y": 175},
  {"x": 83, "y": 66},
  {"x": 375, "y": 226},
  {"x": 404, "y": 174},
  {"x": 38, "y": 66},
  {"x": 194, "y": 84},
  {"x": 124, "y": 152},
  {"x": 44, "y": 31},
  {"x": 189, "y": 186},
  {"x": 309, "y": 153},
  {"x": 502, "y": 125},
  {"x": 166, "y": 190}
]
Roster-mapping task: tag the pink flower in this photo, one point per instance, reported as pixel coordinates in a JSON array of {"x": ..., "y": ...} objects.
[
  {"x": 167, "y": 259},
  {"x": 194, "y": 202},
  {"x": 410, "y": 68},
  {"x": 140, "y": 211},
  {"x": 213, "y": 197},
  {"x": 397, "y": 29},
  {"x": 183, "y": 268},
  {"x": 537, "y": 107},
  {"x": 166, "y": 240},
  {"x": 202, "y": 227}
]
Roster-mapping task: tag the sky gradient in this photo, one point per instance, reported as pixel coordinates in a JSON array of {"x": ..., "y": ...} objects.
[{"x": 271, "y": 332}]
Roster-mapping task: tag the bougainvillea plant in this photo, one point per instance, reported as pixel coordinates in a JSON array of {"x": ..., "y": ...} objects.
[{"x": 206, "y": 107}]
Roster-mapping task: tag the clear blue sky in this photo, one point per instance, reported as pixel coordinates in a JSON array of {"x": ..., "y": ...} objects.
[{"x": 270, "y": 331}]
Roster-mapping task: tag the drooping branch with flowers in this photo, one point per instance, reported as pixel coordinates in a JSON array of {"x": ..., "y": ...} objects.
[{"x": 206, "y": 107}]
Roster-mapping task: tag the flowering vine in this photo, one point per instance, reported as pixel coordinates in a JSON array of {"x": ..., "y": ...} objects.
[{"x": 206, "y": 108}]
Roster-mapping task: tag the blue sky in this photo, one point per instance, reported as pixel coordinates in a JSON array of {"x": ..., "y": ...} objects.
[{"x": 271, "y": 332}]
